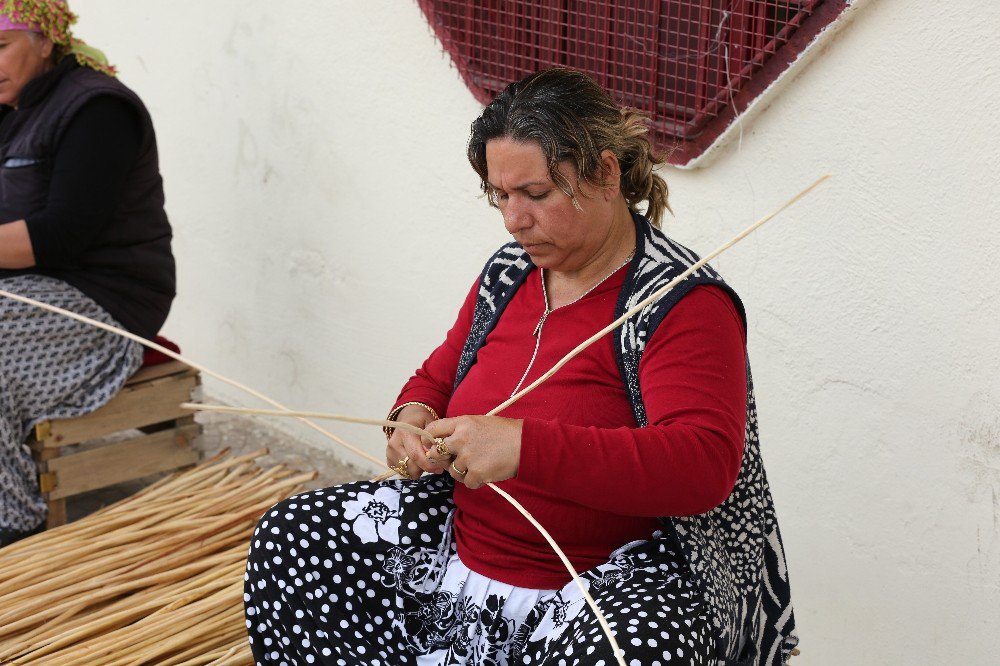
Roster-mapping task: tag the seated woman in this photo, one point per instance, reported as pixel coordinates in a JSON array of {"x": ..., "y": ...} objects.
[
  {"x": 640, "y": 456},
  {"x": 82, "y": 226}
]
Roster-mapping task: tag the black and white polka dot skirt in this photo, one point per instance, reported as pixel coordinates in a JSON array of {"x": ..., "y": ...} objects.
[
  {"x": 366, "y": 573},
  {"x": 50, "y": 367}
]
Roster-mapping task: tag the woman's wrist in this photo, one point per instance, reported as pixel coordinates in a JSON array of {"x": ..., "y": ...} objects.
[{"x": 388, "y": 430}]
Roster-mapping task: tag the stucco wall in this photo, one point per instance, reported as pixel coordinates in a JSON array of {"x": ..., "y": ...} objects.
[{"x": 327, "y": 227}]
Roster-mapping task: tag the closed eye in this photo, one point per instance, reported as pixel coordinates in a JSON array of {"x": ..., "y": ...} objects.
[{"x": 495, "y": 194}]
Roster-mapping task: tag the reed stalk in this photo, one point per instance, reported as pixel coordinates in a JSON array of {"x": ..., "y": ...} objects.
[{"x": 154, "y": 579}]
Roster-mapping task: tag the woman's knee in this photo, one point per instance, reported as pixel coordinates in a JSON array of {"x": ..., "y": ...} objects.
[
  {"x": 307, "y": 522},
  {"x": 277, "y": 531}
]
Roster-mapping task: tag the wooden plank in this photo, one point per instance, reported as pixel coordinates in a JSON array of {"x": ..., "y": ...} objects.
[
  {"x": 160, "y": 370},
  {"x": 43, "y": 430},
  {"x": 46, "y": 479},
  {"x": 135, "y": 406},
  {"x": 124, "y": 461},
  {"x": 46, "y": 482},
  {"x": 42, "y": 456},
  {"x": 57, "y": 514}
]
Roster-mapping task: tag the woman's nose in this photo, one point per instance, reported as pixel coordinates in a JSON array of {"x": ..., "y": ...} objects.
[{"x": 515, "y": 216}]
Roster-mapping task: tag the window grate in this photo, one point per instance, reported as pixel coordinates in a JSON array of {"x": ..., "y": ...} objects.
[{"x": 684, "y": 63}]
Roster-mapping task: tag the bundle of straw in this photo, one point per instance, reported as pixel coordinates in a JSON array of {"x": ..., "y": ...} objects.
[{"x": 154, "y": 579}]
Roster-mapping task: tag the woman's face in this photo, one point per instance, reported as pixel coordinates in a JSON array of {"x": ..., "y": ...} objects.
[
  {"x": 539, "y": 215},
  {"x": 22, "y": 58}
]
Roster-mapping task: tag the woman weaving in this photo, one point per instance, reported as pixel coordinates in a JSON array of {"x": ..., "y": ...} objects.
[
  {"x": 82, "y": 227},
  {"x": 632, "y": 456}
]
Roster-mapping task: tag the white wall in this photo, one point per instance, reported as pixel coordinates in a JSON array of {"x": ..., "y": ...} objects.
[{"x": 327, "y": 226}]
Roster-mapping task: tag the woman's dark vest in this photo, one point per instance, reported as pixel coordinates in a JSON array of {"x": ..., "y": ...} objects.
[
  {"x": 129, "y": 269},
  {"x": 734, "y": 550}
]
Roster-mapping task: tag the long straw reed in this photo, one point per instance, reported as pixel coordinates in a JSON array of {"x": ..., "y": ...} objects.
[
  {"x": 225, "y": 657},
  {"x": 154, "y": 579},
  {"x": 169, "y": 353}
]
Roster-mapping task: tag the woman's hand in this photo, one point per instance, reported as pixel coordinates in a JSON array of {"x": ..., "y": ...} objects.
[
  {"x": 404, "y": 445},
  {"x": 16, "y": 250},
  {"x": 484, "y": 448}
]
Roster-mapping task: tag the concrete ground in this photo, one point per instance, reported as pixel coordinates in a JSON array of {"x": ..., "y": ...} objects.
[{"x": 240, "y": 434}]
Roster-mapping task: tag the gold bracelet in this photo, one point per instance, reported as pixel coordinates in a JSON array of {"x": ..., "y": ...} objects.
[{"x": 388, "y": 430}]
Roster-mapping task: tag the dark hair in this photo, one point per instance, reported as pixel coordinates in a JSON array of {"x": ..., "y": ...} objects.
[{"x": 573, "y": 119}]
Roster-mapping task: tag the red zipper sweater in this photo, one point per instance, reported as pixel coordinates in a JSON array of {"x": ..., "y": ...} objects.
[{"x": 591, "y": 477}]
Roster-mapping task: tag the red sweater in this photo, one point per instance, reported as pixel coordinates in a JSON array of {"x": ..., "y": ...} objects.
[{"x": 591, "y": 477}]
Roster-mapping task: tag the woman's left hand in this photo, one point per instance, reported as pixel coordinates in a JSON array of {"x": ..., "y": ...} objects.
[{"x": 484, "y": 448}]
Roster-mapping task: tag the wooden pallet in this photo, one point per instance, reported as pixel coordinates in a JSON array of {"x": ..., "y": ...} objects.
[{"x": 149, "y": 402}]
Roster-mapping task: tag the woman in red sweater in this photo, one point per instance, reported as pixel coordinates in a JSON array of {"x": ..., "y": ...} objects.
[{"x": 610, "y": 454}]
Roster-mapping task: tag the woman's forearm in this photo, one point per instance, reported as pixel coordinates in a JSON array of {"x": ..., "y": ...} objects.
[
  {"x": 15, "y": 246},
  {"x": 662, "y": 470},
  {"x": 686, "y": 461}
]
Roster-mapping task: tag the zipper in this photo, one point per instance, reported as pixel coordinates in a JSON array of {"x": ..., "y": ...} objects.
[
  {"x": 538, "y": 343},
  {"x": 545, "y": 315}
]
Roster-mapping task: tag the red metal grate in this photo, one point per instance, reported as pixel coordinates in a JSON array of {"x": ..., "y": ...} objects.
[{"x": 686, "y": 64}]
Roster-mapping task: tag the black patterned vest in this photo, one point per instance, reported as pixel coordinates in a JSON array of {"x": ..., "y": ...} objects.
[{"x": 734, "y": 550}]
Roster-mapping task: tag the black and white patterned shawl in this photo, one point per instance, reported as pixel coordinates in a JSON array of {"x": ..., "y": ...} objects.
[{"x": 734, "y": 550}]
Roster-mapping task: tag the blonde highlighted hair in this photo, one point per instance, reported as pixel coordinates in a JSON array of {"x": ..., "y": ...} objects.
[{"x": 573, "y": 119}]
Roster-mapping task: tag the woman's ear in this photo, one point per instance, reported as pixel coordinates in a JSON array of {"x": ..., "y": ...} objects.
[
  {"x": 45, "y": 48},
  {"x": 612, "y": 171}
]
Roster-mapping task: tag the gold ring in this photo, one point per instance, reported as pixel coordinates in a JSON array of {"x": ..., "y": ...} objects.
[
  {"x": 400, "y": 467},
  {"x": 458, "y": 471},
  {"x": 443, "y": 449}
]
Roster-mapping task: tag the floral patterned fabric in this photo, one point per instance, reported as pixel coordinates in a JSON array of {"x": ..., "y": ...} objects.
[{"x": 367, "y": 573}]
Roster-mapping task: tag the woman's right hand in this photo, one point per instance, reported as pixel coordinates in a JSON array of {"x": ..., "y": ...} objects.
[{"x": 404, "y": 444}]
